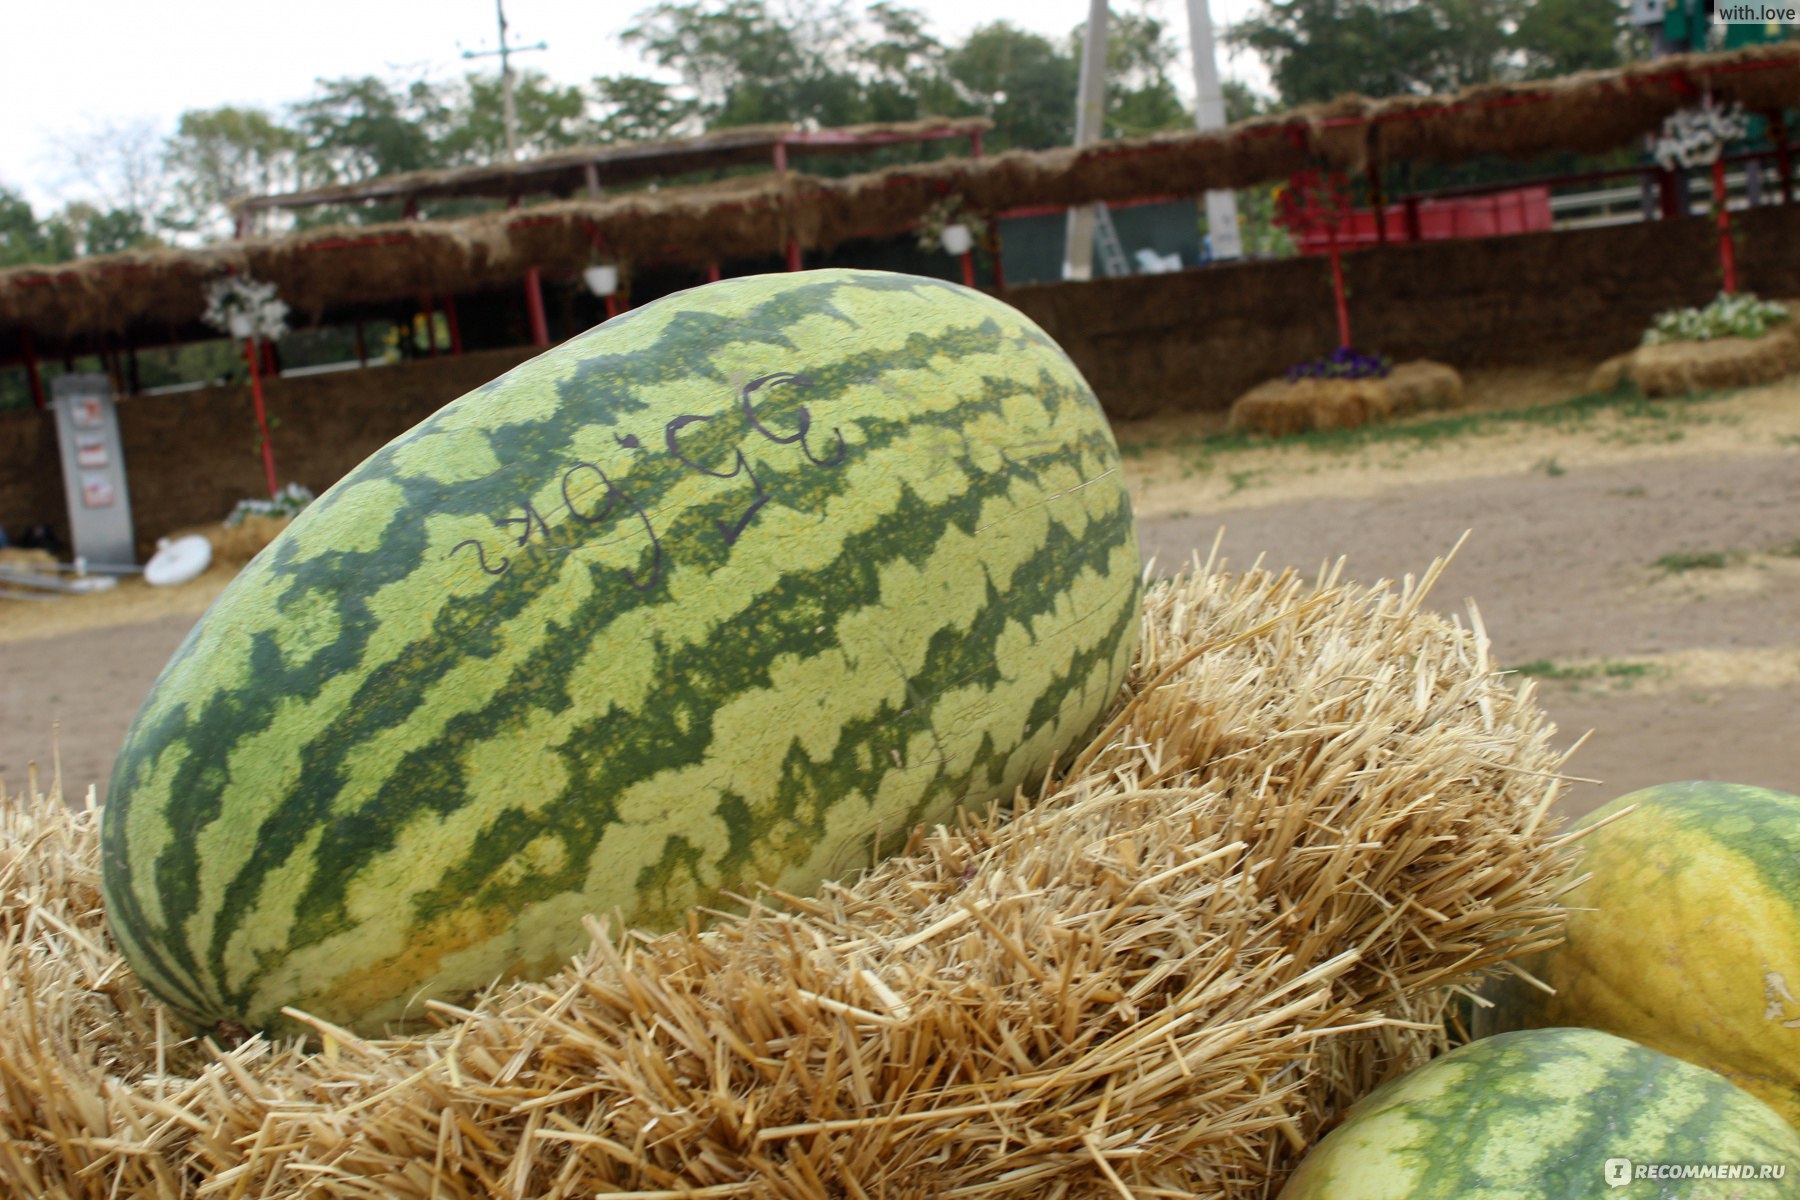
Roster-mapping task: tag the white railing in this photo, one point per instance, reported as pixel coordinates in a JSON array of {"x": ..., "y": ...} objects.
[{"x": 1625, "y": 204}]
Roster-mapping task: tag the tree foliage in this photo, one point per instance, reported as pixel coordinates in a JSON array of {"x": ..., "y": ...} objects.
[{"x": 1318, "y": 49}]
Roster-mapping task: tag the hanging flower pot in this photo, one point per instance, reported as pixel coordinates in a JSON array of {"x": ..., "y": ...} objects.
[
  {"x": 957, "y": 239},
  {"x": 602, "y": 279},
  {"x": 243, "y": 307},
  {"x": 950, "y": 225}
]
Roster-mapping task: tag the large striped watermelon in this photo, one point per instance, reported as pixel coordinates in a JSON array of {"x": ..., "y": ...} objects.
[
  {"x": 1685, "y": 936},
  {"x": 714, "y": 594},
  {"x": 1553, "y": 1114}
]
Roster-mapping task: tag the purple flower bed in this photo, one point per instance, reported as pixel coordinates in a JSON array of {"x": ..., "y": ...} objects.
[{"x": 1343, "y": 363}]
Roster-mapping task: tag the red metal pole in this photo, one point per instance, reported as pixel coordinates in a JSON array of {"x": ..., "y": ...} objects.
[
  {"x": 612, "y": 306},
  {"x": 712, "y": 272},
  {"x": 1414, "y": 229},
  {"x": 534, "y": 308},
  {"x": 1727, "y": 254},
  {"x": 994, "y": 248},
  {"x": 1337, "y": 290},
  {"x": 1668, "y": 193},
  {"x": 793, "y": 244},
  {"x": 262, "y": 416},
  {"x": 31, "y": 368},
  {"x": 1378, "y": 201},
  {"x": 968, "y": 268},
  {"x": 455, "y": 329}
]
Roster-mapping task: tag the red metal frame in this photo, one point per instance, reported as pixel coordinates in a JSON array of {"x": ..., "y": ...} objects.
[
  {"x": 1727, "y": 254},
  {"x": 262, "y": 417},
  {"x": 534, "y": 307}
]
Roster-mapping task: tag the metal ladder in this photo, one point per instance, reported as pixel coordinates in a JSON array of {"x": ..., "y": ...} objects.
[{"x": 1106, "y": 239}]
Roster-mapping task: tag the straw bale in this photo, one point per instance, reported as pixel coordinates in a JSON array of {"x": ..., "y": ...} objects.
[
  {"x": 1280, "y": 408},
  {"x": 1240, "y": 907},
  {"x": 1678, "y": 368}
]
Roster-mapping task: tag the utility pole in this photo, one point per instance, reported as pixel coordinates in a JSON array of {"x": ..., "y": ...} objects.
[
  {"x": 1209, "y": 113},
  {"x": 509, "y": 115},
  {"x": 1090, "y": 114}
]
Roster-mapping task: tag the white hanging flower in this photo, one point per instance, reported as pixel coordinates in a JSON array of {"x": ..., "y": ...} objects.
[
  {"x": 242, "y": 307},
  {"x": 1695, "y": 136}
]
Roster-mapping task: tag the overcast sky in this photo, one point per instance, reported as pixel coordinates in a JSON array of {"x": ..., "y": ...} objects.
[{"x": 79, "y": 66}]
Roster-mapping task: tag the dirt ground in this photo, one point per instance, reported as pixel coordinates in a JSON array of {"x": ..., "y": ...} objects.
[{"x": 1639, "y": 563}]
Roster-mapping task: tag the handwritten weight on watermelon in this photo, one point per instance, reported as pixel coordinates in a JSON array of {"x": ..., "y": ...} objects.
[
  {"x": 591, "y": 497},
  {"x": 717, "y": 594}
]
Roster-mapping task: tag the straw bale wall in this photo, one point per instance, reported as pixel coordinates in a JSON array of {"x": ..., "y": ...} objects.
[
  {"x": 1195, "y": 340},
  {"x": 31, "y": 488},
  {"x": 191, "y": 456}
]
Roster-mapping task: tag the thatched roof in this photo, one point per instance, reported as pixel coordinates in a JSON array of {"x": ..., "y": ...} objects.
[
  {"x": 571, "y": 172},
  {"x": 326, "y": 270}
]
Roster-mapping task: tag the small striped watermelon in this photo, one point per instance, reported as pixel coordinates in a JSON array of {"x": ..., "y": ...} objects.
[
  {"x": 719, "y": 593},
  {"x": 1685, "y": 936},
  {"x": 1551, "y": 1113}
]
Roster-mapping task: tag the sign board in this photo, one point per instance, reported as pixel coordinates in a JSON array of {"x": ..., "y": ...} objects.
[{"x": 93, "y": 469}]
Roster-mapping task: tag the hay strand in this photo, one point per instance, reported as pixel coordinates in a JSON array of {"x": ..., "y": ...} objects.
[{"x": 1164, "y": 977}]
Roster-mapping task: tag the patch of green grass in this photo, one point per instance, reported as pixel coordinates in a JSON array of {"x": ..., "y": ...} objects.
[
  {"x": 1608, "y": 669},
  {"x": 1705, "y": 560},
  {"x": 1788, "y": 439},
  {"x": 1243, "y": 479},
  {"x": 1550, "y": 467},
  {"x": 1577, "y": 412},
  {"x": 1789, "y": 550}
]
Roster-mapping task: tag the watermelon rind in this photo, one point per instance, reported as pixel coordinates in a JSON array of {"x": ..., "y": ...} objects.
[
  {"x": 719, "y": 594},
  {"x": 1550, "y": 1114}
]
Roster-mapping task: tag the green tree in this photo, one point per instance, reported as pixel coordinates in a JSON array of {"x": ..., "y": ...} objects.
[
  {"x": 550, "y": 117},
  {"x": 1021, "y": 82},
  {"x": 24, "y": 239},
  {"x": 221, "y": 155},
  {"x": 903, "y": 67},
  {"x": 125, "y": 184},
  {"x": 747, "y": 63},
  {"x": 1560, "y": 37},
  {"x": 95, "y": 230},
  {"x": 635, "y": 109},
  {"x": 1140, "y": 96},
  {"x": 1318, "y": 49},
  {"x": 357, "y": 129}
]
